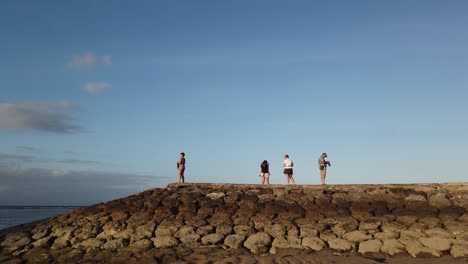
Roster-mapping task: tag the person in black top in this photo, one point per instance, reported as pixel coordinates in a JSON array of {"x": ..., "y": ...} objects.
[{"x": 265, "y": 172}]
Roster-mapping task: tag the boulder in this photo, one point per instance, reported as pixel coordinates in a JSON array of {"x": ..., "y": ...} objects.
[
  {"x": 258, "y": 243},
  {"x": 215, "y": 195},
  {"x": 412, "y": 234},
  {"x": 357, "y": 236},
  {"x": 429, "y": 221},
  {"x": 212, "y": 239},
  {"x": 164, "y": 242},
  {"x": 45, "y": 242},
  {"x": 392, "y": 227},
  {"x": 406, "y": 220},
  {"x": 416, "y": 249},
  {"x": 385, "y": 235},
  {"x": 224, "y": 229},
  {"x": 89, "y": 244},
  {"x": 455, "y": 227},
  {"x": 314, "y": 243},
  {"x": 275, "y": 230},
  {"x": 285, "y": 243},
  {"x": 244, "y": 230},
  {"x": 437, "y": 243},
  {"x": 205, "y": 230},
  {"x": 41, "y": 233},
  {"x": 166, "y": 230},
  {"x": 190, "y": 239},
  {"x": 142, "y": 245},
  {"x": 327, "y": 235},
  {"x": 308, "y": 232},
  {"x": 459, "y": 251},
  {"x": 370, "y": 246},
  {"x": 115, "y": 244},
  {"x": 14, "y": 241},
  {"x": 392, "y": 247},
  {"x": 341, "y": 245},
  {"x": 234, "y": 241},
  {"x": 439, "y": 201},
  {"x": 414, "y": 201},
  {"x": 61, "y": 242},
  {"x": 185, "y": 231},
  {"x": 438, "y": 232},
  {"x": 369, "y": 224}
]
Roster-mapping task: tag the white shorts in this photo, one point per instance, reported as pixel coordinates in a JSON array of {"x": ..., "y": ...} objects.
[{"x": 264, "y": 174}]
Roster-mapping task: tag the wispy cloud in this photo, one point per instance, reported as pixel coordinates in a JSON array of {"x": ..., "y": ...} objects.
[
  {"x": 15, "y": 157},
  {"x": 52, "y": 117},
  {"x": 77, "y": 161},
  {"x": 73, "y": 187},
  {"x": 27, "y": 149},
  {"x": 87, "y": 59},
  {"x": 96, "y": 87}
]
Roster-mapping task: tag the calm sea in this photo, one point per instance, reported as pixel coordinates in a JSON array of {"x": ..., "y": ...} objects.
[{"x": 17, "y": 215}]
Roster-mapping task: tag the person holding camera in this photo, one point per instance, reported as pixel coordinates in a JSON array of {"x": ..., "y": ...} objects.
[{"x": 323, "y": 167}]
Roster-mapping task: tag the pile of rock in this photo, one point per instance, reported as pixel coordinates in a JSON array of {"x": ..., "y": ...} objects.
[{"x": 421, "y": 220}]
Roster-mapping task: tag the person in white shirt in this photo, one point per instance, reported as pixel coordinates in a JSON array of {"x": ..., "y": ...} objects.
[{"x": 288, "y": 169}]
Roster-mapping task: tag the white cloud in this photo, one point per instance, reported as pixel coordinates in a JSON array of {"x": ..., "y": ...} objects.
[
  {"x": 96, "y": 87},
  {"x": 52, "y": 117},
  {"x": 87, "y": 59}
]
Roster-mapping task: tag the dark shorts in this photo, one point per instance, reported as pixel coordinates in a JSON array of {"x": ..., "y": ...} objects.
[{"x": 288, "y": 171}]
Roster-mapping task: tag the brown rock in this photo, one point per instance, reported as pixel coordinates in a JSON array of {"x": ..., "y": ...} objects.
[
  {"x": 327, "y": 235},
  {"x": 438, "y": 232},
  {"x": 224, "y": 229},
  {"x": 341, "y": 245},
  {"x": 406, "y": 220},
  {"x": 459, "y": 251},
  {"x": 164, "y": 242},
  {"x": 14, "y": 241},
  {"x": 357, "y": 236},
  {"x": 370, "y": 246},
  {"x": 275, "y": 230},
  {"x": 258, "y": 243},
  {"x": 212, "y": 239},
  {"x": 314, "y": 243},
  {"x": 414, "y": 201},
  {"x": 437, "y": 243},
  {"x": 430, "y": 222},
  {"x": 308, "y": 232},
  {"x": 439, "y": 201},
  {"x": 416, "y": 249},
  {"x": 392, "y": 247},
  {"x": 115, "y": 244},
  {"x": 244, "y": 230},
  {"x": 455, "y": 227},
  {"x": 385, "y": 235},
  {"x": 234, "y": 241},
  {"x": 190, "y": 239}
]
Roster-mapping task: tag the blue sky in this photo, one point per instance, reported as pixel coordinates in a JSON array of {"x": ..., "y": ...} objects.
[{"x": 99, "y": 99}]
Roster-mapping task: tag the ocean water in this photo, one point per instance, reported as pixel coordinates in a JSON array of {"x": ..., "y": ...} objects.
[{"x": 17, "y": 215}]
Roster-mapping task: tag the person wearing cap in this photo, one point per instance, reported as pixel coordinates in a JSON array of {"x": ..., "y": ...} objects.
[{"x": 323, "y": 167}]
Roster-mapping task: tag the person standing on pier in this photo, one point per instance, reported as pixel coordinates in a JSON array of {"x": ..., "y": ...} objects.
[
  {"x": 265, "y": 172},
  {"x": 288, "y": 169},
  {"x": 323, "y": 167},
  {"x": 181, "y": 168}
]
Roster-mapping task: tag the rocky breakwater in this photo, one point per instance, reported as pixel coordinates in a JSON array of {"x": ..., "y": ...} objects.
[{"x": 420, "y": 220}]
